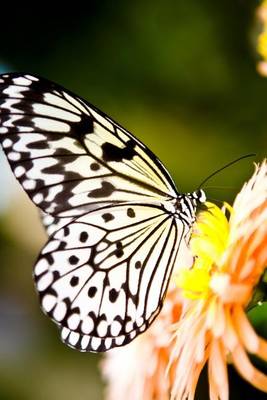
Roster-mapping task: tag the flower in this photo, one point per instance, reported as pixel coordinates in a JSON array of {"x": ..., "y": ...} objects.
[
  {"x": 204, "y": 320},
  {"x": 262, "y": 39},
  {"x": 138, "y": 370}
]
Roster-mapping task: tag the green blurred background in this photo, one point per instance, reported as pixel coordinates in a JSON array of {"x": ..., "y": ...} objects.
[{"x": 181, "y": 76}]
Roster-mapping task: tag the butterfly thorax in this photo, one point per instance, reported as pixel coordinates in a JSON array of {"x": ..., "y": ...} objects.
[{"x": 186, "y": 206}]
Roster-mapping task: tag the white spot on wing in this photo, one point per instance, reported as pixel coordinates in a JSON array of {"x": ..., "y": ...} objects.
[
  {"x": 122, "y": 135},
  {"x": 56, "y": 112},
  {"x": 36, "y": 172},
  {"x": 132, "y": 334},
  {"x": 87, "y": 325},
  {"x": 95, "y": 343},
  {"x": 50, "y": 125},
  {"x": 102, "y": 246},
  {"x": 68, "y": 143},
  {"x": 115, "y": 328},
  {"x": 64, "y": 333},
  {"x": 73, "y": 338},
  {"x": 108, "y": 342},
  {"x": 139, "y": 321},
  {"x": 41, "y": 266},
  {"x": 9, "y": 105},
  {"x": 32, "y": 78},
  {"x": 45, "y": 281},
  {"x": 129, "y": 326},
  {"x": 53, "y": 191},
  {"x": 10, "y": 123},
  {"x": 13, "y": 156},
  {"x": 7, "y": 142},
  {"x": 102, "y": 120},
  {"x": 102, "y": 328},
  {"x": 85, "y": 342},
  {"x": 80, "y": 165},
  {"x": 76, "y": 103},
  {"x": 22, "y": 81},
  {"x": 60, "y": 102},
  {"x": 119, "y": 340},
  {"x": 19, "y": 171},
  {"x": 60, "y": 311},
  {"x": 29, "y": 184},
  {"x": 15, "y": 91},
  {"x": 52, "y": 245},
  {"x": 73, "y": 321},
  {"x": 48, "y": 219},
  {"x": 48, "y": 302},
  {"x": 38, "y": 198}
]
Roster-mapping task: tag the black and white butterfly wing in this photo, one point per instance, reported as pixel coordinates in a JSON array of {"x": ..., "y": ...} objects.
[
  {"x": 108, "y": 204},
  {"x": 70, "y": 157},
  {"x": 104, "y": 276}
]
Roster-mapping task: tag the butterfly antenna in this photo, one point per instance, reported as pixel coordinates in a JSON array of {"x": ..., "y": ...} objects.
[{"x": 225, "y": 166}]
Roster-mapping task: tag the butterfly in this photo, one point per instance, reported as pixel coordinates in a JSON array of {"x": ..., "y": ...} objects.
[{"x": 117, "y": 226}]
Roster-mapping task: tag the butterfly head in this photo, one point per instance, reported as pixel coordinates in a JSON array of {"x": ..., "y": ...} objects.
[{"x": 199, "y": 195}]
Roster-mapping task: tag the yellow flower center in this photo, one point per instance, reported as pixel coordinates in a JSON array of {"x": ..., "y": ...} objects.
[
  {"x": 262, "y": 44},
  {"x": 208, "y": 242},
  {"x": 262, "y": 38}
]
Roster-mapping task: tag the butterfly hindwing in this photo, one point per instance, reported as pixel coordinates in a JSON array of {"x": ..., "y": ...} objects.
[
  {"x": 53, "y": 223},
  {"x": 103, "y": 277},
  {"x": 70, "y": 157}
]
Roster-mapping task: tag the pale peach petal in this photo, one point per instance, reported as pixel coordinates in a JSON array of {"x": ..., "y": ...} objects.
[
  {"x": 218, "y": 371},
  {"x": 246, "y": 333},
  {"x": 229, "y": 292},
  {"x": 238, "y": 255},
  {"x": 251, "y": 196},
  {"x": 233, "y": 254},
  {"x": 230, "y": 338},
  {"x": 201, "y": 347},
  {"x": 195, "y": 377},
  {"x": 238, "y": 293},
  {"x": 257, "y": 238},
  {"x": 247, "y": 370},
  {"x": 183, "y": 372},
  {"x": 211, "y": 312},
  {"x": 213, "y": 389},
  {"x": 262, "y": 351},
  {"x": 247, "y": 269},
  {"x": 218, "y": 326},
  {"x": 213, "y": 393},
  {"x": 187, "y": 390},
  {"x": 262, "y": 68},
  {"x": 261, "y": 12}
]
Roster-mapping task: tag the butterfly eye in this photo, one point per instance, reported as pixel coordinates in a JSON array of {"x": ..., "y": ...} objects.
[{"x": 110, "y": 208}]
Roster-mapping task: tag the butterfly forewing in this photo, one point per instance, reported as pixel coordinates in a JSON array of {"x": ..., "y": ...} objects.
[
  {"x": 70, "y": 157},
  {"x": 108, "y": 205}
]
